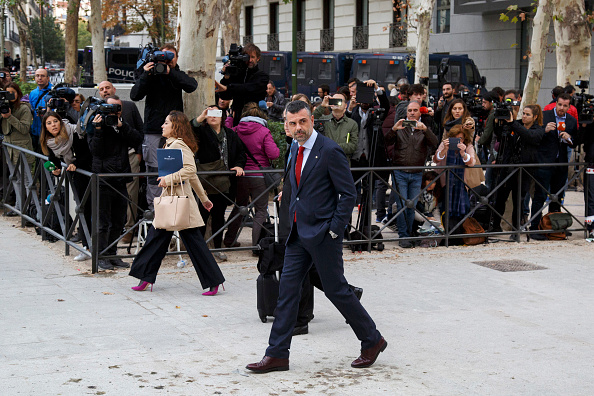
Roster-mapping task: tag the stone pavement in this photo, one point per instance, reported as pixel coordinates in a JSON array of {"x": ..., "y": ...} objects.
[{"x": 453, "y": 327}]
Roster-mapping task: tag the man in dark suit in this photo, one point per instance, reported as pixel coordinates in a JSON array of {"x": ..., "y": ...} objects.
[
  {"x": 322, "y": 199},
  {"x": 560, "y": 133}
]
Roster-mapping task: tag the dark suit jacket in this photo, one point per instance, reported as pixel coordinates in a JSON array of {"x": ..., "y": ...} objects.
[
  {"x": 326, "y": 194},
  {"x": 380, "y": 148},
  {"x": 131, "y": 116},
  {"x": 550, "y": 145}
]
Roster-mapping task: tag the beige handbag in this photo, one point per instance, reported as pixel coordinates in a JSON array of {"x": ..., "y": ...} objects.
[{"x": 172, "y": 212}]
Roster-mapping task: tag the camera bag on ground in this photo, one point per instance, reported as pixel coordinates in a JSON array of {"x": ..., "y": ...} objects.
[
  {"x": 482, "y": 213},
  {"x": 556, "y": 221},
  {"x": 471, "y": 226}
]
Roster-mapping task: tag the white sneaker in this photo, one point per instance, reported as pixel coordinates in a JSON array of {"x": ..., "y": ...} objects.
[
  {"x": 220, "y": 255},
  {"x": 83, "y": 256}
]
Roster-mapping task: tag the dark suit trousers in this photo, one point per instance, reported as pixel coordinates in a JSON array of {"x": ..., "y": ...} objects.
[
  {"x": 148, "y": 261},
  {"x": 298, "y": 260}
]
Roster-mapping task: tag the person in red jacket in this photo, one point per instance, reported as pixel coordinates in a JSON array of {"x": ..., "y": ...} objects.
[{"x": 558, "y": 90}]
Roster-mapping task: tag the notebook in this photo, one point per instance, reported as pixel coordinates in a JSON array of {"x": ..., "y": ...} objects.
[{"x": 169, "y": 161}]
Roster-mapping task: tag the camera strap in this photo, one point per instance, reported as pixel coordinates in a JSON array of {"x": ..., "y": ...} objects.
[{"x": 39, "y": 99}]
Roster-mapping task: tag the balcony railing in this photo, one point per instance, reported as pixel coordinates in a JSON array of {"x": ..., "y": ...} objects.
[
  {"x": 360, "y": 37},
  {"x": 301, "y": 41},
  {"x": 398, "y": 35},
  {"x": 248, "y": 39},
  {"x": 327, "y": 39},
  {"x": 14, "y": 37},
  {"x": 273, "y": 42}
]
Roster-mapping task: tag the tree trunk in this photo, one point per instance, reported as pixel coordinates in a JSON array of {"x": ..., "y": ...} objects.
[
  {"x": 99, "y": 72},
  {"x": 23, "y": 37},
  {"x": 423, "y": 15},
  {"x": 198, "y": 21},
  {"x": 538, "y": 51},
  {"x": 574, "y": 40},
  {"x": 230, "y": 23},
  {"x": 71, "y": 42}
]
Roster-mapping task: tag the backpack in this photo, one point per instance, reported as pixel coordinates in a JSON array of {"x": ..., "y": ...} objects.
[
  {"x": 471, "y": 226},
  {"x": 556, "y": 221},
  {"x": 88, "y": 110}
]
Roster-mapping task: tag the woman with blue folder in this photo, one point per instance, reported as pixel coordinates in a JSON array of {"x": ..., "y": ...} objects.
[{"x": 179, "y": 136}]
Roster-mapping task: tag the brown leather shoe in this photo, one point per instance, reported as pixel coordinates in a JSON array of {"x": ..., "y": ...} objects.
[
  {"x": 127, "y": 238},
  {"x": 368, "y": 356},
  {"x": 268, "y": 364}
]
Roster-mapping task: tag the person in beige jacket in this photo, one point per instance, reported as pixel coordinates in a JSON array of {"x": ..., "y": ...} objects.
[{"x": 179, "y": 135}]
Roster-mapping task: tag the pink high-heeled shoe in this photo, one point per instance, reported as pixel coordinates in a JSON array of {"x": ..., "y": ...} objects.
[
  {"x": 213, "y": 290},
  {"x": 142, "y": 286}
]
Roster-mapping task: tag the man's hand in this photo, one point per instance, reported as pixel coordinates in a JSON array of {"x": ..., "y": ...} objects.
[
  {"x": 71, "y": 168},
  {"x": 56, "y": 172},
  {"x": 220, "y": 87},
  {"x": 421, "y": 126},
  {"x": 371, "y": 83},
  {"x": 149, "y": 66},
  {"x": 398, "y": 126},
  {"x": 353, "y": 102},
  {"x": 551, "y": 126},
  {"x": 430, "y": 111},
  {"x": 7, "y": 114},
  {"x": 325, "y": 101},
  {"x": 97, "y": 121},
  {"x": 566, "y": 136},
  {"x": 238, "y": 171},
  {"x": 268, "y": 104}
]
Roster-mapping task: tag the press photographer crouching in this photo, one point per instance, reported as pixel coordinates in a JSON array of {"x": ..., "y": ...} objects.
[
  {"x": 109, "y": 142},
  {"x": 243, "y": 81},
  {"x": 518, "y": 144},
  {"x": 16, "y": 123}
]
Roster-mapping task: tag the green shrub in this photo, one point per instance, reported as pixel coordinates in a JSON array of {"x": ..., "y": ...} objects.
[
  {"x": 277, "y": 129},
  {"x": 25, "y": 87}
]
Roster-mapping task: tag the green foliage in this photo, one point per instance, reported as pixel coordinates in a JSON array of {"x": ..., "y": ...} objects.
[
  {"x": 53, "y": 38},
  {"x": 25, "y": 87},
  {"x": 277, "y": 129},
  {"x": 84, "y": 36}
]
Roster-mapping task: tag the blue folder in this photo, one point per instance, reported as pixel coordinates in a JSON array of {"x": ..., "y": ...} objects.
[{"x": 169, "y": 161}]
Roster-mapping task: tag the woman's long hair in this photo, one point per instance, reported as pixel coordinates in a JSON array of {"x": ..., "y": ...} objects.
[
  {"x": 449, "y": 117},
  {"x": 180, "y": 128},
  {"x": 19, "y": 96},
  {"x": 536, "y": 113},
  {"x": 456, "y": 129},
  {"x": 45, "y": 134}
]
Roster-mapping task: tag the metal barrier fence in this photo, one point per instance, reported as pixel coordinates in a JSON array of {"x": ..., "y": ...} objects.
[{"x": 39, "y": 182}]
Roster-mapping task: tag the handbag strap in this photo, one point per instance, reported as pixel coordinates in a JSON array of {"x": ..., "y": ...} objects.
[
  {"x": 181, "y": 183},
  {"x": 252, "y": 157}
]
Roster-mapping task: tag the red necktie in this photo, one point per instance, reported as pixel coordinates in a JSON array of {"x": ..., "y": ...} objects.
[{"x": 298, "y": 171}]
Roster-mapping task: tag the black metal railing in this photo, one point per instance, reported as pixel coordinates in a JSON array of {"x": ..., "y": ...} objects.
[
  {"x": 38, "y": 183},
  {"x": 273, "y": 44},
  {"x": 360, "y": 37},
  {"x": 327, "y": 39},
  {"x": 398, "y": 35}
]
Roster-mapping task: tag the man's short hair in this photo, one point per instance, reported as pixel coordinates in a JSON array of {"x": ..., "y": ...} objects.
[
  {"x": 345, "y": 92},
  {"x": 498, "y": 92},
  {"x": 325, "y": 88},
  {"x": 296, "y": 106},
  {"x": 569, "y": 89},
  {"x": 564, "y": 96},
  {"x": 448, "y": 83},
  {"x": 169, "y": 47},
  {"x": 511, "y": 91},
  {"x": 352, "y": 80},
  {"x": 558, "y": 90},
  {"x": 487, "y": 96},
  {"x": 271, "y": 83},
  {"x": 251, "y": 47},
  {"x": 418, "y": 89},
  {"x": 114, "y": 97}
]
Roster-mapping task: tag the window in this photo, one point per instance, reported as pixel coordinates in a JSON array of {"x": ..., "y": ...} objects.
[
  {"x": 362, "y": 8},
  {"x": 443, "y": 16},
  {"x": 325, "y": 71},
  {"x": 301, "y": 70},
  {"x": 300, "y": 15},
  {"x": 328, "y": 14},
  {"x": 454, "y": 72},
  {"x": 249, "y": 20},
  {"x": 275, "y": 67},
  {"x": 470, "y": 74},
  {"x": 273, "y": 18}
]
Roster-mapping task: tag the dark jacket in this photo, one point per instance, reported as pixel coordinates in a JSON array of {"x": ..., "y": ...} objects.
[
  {"x": 551, "y": 149},
  {"x": 244, "y": 88},
  {"x": 109, "y": 148},
  {"x": 529, "y": 140},
  {"x": 208, "y": 146},
  {"x": 586, "y": 137},
  {"x": 81, "y": 151},
  {"x": 131, "y": 116},
  {"x": 411, "y": 149},
  {"x": 163, "y": 94},
  {"x": 380, "y": 147},
  {"x": 275, "y": 112}
]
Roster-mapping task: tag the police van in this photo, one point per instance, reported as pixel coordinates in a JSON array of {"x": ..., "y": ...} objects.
[{"x": 120, "y": 63}]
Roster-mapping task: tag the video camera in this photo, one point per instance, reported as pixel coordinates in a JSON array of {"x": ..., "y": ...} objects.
[
  {"x": 108, "y": 113},
  {"x": 238, "y": 60},
  {"x": 57, "y": 100},
  {"x": 503, "y": 110},
  {"x": 584, "y": 103},
  {"x": 5, "y": 98},
  {"x": 319, "y": 125},
  {"x": 150, "y": 53}
]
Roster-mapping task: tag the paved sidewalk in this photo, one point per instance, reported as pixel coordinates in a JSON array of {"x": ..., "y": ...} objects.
[{"x": 453, "y": 327}]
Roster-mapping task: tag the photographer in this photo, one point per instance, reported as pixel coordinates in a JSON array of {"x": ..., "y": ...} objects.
[
  {"x": 587, "y": 139},
  {"x": 5, "y": 78},
  {"x": 109, "y": 144},
  {"x": 163, "y": 92},
  {"x": 518, "y": 144},
  {"x": 413, "y": 141},
  {"x": 37, "y": 99},
  {"x": 275, "y": 102},
  {"x": 486, "y": 139},
  {"x": 16, "y": 123},
  {"x": 560, "y": 131},
  {"x": 243, "y": 81}
]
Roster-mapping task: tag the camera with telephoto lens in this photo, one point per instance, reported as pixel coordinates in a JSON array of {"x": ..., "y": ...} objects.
[
  {"x": 5, "y": 98},
  {"x": 584, "y": 103},
  {"x": 503, "y": 110},
  {"x": 109, "y": 114},
  {"x": 238, "y": 60},
  {"x": 2, "y": 75},
  {"x": 150, "y": 53},
  {"x": 58, "y": 99}
]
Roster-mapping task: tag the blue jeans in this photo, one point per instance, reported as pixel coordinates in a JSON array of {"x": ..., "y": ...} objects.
[{"x": 409, "y": 187}]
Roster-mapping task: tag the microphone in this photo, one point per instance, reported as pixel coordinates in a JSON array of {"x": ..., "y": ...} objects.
[
  {"x": 49, "y": 165},
  {"x": 424, "y": 110}
]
